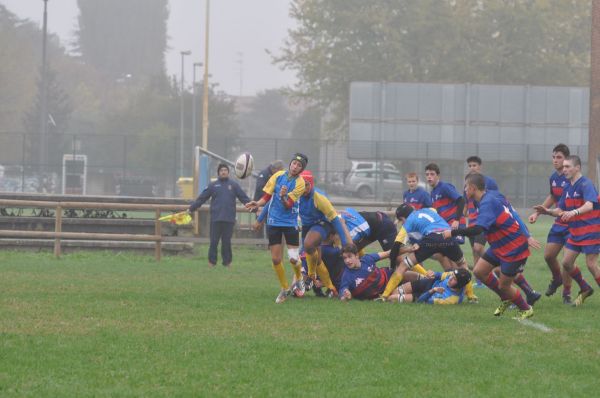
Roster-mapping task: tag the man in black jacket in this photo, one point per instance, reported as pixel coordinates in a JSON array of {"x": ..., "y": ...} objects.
[
  {"x": 264, "y": 176},
  {"x": 223, "y": 194}
]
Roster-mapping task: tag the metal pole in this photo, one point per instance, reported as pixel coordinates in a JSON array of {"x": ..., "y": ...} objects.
[
  {"x": 205, "y": 97},
  {"x": 44, "y": 94},
  {"x": 183, "y": 54},
  {"x": 194, "y": 111},
  {"x": 594, "y": 122}
]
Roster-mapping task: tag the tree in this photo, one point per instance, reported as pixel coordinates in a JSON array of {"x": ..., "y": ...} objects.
[
  {"x": 124, "y": 38},
  {"x": 269, "y": 116},
  {"x": 493, "y": 42}
]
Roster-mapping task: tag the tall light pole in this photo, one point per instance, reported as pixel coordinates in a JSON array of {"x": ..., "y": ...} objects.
[
  {"x": 594, "y": 118},
  {"x": 44, "y": 95},
  {"x": 205, "y": 97},
  {"x": 183, "y": 54},
  {"x": 194, "y": 111}
]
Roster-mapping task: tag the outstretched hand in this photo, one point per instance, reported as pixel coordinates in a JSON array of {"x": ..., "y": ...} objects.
[{"x": 533, "y": 243}]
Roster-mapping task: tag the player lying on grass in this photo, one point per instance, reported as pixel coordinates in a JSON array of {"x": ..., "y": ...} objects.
[
  {"x": 443, "y": 288},
  {"x": 362, "y": 279}
]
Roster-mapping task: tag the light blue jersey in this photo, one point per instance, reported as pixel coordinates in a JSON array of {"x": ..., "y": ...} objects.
[
  {"x": 356, "y": 224},
  {"x": 423, "y": 222}
]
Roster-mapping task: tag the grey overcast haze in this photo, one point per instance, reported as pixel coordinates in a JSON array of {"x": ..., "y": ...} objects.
[{"x": 240, "y": 30}]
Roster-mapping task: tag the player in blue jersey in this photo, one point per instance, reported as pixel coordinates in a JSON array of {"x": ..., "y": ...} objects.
[
  {"x": 416, "y": 196},
  {"x": 443, "y": 288},
  {"x": 509, "y": 242},
  {"x": 282, "y": 191},
  {"x": 446, "y": 200},
  {"x": 559, "y": 232},
  {"x": 579, "y": 207},
  {"x": 362, "y": 279},
  {"x": 319, "y": 219},
  {"x": 424, "y": 229}
]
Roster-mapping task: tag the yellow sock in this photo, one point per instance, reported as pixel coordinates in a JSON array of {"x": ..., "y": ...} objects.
[
  {"x": 297, "y": 269},
  {"x": 324, "y": 276},
  {"x": 419, "y": 268},
  {"x": 469, "y": 290},
  {"x": 311, "y": 261},
  {"x": 393, "y": 283},
  {"x": 281, "y": 275},
  {"x": 361, "y": 252}
]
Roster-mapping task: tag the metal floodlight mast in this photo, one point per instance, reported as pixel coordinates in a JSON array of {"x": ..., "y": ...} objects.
[{"x": 181, "y": 120}]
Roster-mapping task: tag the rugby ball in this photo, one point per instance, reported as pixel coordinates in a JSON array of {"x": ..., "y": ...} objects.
[{"x": 244, "y": 165}]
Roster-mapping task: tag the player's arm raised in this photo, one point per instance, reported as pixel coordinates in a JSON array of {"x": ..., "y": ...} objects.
[{"x": 324, "y": 206}]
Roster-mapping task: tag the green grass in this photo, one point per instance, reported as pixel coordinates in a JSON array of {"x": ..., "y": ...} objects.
[{"x": 105, "y": 324}]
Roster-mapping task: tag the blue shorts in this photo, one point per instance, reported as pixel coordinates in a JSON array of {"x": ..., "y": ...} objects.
[
  {"x": 558, "y": 234},
  {"x": 323, "y": 228},
  {"x": 508, "y": 269},
  {"x": 586, "y": 249}
]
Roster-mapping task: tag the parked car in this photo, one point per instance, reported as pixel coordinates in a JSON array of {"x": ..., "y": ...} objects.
[
  {"x": 366, "y": 165},
  {"x": 363, "y": 183}
]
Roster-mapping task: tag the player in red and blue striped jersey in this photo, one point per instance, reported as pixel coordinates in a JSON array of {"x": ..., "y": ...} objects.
[
  {"x": 362, "y": 279},
  {"x": 559, "y": 232},
  {"x": 446, "y": 200},
  {"x": 579, "y": 207},
  {"x": 416, "y": 196},
  {"x": 509, "y": 244}
]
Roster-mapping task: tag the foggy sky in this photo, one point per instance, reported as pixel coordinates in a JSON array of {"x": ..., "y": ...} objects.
[{"x": 246, "y": 26}]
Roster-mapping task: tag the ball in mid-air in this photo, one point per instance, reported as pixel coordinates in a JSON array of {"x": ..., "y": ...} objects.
[{"x": 244, "y": 165}]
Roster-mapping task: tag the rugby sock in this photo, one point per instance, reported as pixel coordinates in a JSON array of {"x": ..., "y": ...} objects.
[
  {"x": 556, "y": 275},
  {"x": 297, "y": 269},
  {"x": 324, "y": 276},
  {"x": 577, "y": 277},
  {"x": 419, "y": 268},
  {"x": 492, "y": 283},
  {"x": 598, "y": 280},
  {"x": 469, "y": 290},
  {"x": 393, "y": 283},
  {"x": 281, "y": 275},
  {"x": 312, "y": 260},
  {"x": 567, "y": 283},
  {"x": 520, "y": 301},
  {"x": 523, "y": 284}
]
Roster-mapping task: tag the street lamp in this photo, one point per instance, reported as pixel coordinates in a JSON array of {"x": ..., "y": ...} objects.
[
  {"x": 183, "y": 54},
  {"x": 194, "y": 95},
  {"x": 44, "y": 100}
]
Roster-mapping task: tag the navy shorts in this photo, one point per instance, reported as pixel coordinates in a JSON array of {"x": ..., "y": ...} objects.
[
  {"x": 508, "y": 269},
  {"x": 421, "y": 286},
  {"x": 585, "y": 249},
  {"x": 276, "y": 234},
  {"x": 480, "y": 238},
  {"x": 435, "y": 243},
  {"x": 323, "y": 228},
  {"x": 558, "y": 234}
]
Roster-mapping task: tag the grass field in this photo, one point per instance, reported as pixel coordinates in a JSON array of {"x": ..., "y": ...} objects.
[{"x": 107, "y": 325}]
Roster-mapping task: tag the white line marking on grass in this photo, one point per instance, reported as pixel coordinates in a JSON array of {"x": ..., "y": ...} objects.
[{"x": 539, "y": 326}]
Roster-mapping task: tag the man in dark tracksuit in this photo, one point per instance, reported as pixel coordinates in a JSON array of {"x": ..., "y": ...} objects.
[
  {"x": 223, "y": 194},
  {"x": 264, "y": 176}
]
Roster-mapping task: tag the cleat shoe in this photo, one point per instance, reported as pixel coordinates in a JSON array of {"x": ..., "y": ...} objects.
[
  {"x": 554, "y": 284},
  {"x": 282, "y": 296},
  {"x": 331, "y": 293},
  {"x": 533, "y": 297},
  {"x": 473, "y": 300},
  {"x": 298, "y": 288},
  {"x": 318, "y": 291},
  {"x": 308, "y": 283},
  {"x": 567, "y": 300},
  {"x": 584, "y": 294},
  {"x": 502, "y": 307},
  {"x": 524, "y": 314}
]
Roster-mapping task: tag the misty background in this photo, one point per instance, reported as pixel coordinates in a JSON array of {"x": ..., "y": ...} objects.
[{"x": 286, "y": 76}]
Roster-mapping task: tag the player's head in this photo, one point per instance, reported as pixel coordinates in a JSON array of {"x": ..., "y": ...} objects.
[
  {"x": 572, "y": 166},
  {"x": 298, "y": 163},
  {"x": 462, "y": 277},
  {"x": 432, "y": 174},
  {"x": 559, "y": 154},
  {"x": 350, "y": 256},
  {"x": 309, "y": 181},
  {"x": 276, "y": 165},
  {"x": 412, "y": 180},
  {"x": 223, "y": 170},
  {"x": 474, "y": 184},
  {"x": 403, "y": 211},
  {"x": 474, "y": 163}
]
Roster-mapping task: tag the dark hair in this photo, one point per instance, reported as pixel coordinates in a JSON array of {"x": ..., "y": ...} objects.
[
  {"x": 351, "y": 248},
  {"x": 301, "y": 158},
  {"x": 575, "y": 159},
  {"x": 562, "y": 148},
  {"x": 474, "y": 159},
  {"x": 433, "y": 167},
  {"x": 470, "y": 173},
  {"x": 476, "y": 179},
  {"x": 463, "y": 276},
  {"x": 404, "y": 210}
]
